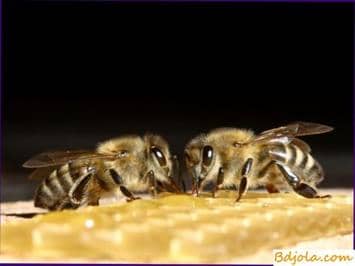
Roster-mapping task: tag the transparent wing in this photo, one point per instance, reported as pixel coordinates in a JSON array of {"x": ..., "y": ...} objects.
[
  {"x": 302, "y": 145},
  {"x": 54, "y": 158},
  {"x": 42, "y": 172},
  {"x": 308, "y": 128},
  {"x": 287, "y": 134}
]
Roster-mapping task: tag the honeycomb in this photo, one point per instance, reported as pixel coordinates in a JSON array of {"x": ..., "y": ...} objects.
[{"x": 178, "y": 228}]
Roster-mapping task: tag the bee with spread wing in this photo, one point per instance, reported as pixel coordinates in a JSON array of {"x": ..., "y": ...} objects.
[{"x": 232, "y": 157}]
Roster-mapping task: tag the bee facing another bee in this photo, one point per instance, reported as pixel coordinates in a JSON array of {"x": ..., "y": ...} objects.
[
  {"x": 227, "y": 157},
  {"x": 79, "y": 178},
  {"x": 232, "y": 157}
]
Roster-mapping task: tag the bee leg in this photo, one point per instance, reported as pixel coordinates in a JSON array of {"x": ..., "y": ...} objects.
[
  {"x": 271, "y": 188},
  {"x": 324, "y": 196},
  {"x": 172, "y": 185},
  {"x": 78, "y": 192},
  {"x": 152, "y": 183},
  {"x": 220, "y": 179},
  {"x": 65, "y": 204},
  {"x": 243, "y": 185},
  {"x": 118, "y": 180},
  {"x": 295, "y": 182},
  {"x": 308, "y": 192},
  {"x": 128, "y": 194},
  {"x": 116, "y": 177},
  {"x": 160, "y": 187},
  {"x": 155, "y": 185},
  {"x": 242, "y": 188}
]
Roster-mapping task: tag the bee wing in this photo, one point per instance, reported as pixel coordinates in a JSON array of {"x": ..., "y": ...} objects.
[
  {"x": 302, "y": 145},
  {"x": 287, "y": 134},
  {"x": 41, "y": 172},
  {"x": 308, "y": 128},
  {"x": 282, "y": 135},
  {"x": 48, "y": 159}
]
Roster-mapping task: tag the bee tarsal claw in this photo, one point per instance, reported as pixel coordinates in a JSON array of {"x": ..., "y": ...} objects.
[
  {"x": 133, "y": 199},
  {"x": 306, "y": 191}
]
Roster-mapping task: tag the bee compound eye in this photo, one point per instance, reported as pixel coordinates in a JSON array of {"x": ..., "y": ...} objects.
[
  {"x": 237, "y": 144},
  {"x": 207, "y": 155},
  {"x": 122, "y": 153},
  {"x": 158, "y": 155}
]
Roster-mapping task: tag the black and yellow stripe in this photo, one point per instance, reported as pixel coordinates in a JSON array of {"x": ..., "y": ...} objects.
[
  {"x": 303, "y": 162},
  {"x": 52, "y": 193},
  {"x": 292, "y": 156}
]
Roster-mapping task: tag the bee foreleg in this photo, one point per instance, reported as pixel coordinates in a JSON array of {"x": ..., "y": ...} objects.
[
  {"x": 128, "y": 194},
  {"x": 220, "y": 179},
  {"x": 294, "y": 181},
  {"x": 243, "y": 185},
  {"x": 116, "y": 177},
  {"x": 152, "y": 183},
  {"x": 66, "y": 204},
  {"x": 118, "y": 180}
]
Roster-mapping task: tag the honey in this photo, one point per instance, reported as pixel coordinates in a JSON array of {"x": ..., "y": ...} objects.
[{"x": 178, "y": 228}]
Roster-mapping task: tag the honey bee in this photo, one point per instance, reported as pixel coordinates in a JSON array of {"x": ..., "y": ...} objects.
[
  {"x": 237, "y": 158},
  {"x": 79, "y": 178}
]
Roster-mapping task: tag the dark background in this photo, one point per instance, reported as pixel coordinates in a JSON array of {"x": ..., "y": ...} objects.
[{"x": 78, "y": 73}]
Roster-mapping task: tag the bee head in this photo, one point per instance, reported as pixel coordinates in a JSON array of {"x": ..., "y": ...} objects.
[
  {"x": 202, "y": 162},
  {"x": 159, "y": 158}
]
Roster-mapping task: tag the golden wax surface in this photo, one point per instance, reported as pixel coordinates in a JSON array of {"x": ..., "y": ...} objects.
[{"x": 178, "y": 228}]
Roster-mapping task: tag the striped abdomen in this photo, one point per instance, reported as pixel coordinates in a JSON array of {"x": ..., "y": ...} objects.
[
  {"x": 299, "y": 161},
  {"x": 52, "y": 193}
]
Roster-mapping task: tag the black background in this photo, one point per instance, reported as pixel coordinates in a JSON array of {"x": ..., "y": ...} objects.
[{"x": 78, "y": 73}]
